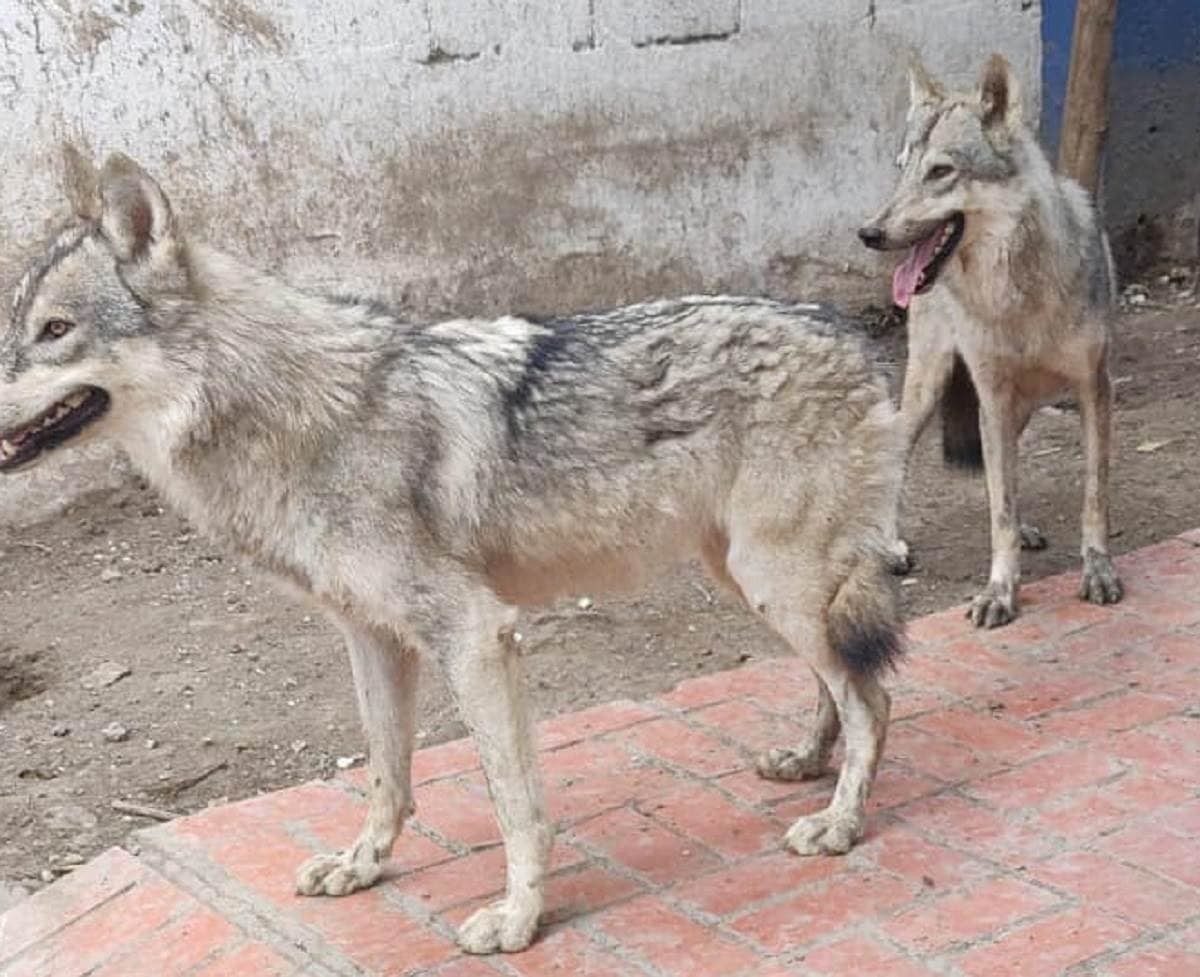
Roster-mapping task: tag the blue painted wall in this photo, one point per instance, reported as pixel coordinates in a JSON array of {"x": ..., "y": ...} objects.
[{"x": 1152, "y": 161}]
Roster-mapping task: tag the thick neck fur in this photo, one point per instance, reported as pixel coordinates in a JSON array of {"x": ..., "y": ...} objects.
[
  {"x": 1022, "y": 253},
  {"x": 246, "y": 380}
]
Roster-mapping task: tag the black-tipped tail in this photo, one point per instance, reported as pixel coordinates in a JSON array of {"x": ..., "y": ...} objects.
[
  {"x": 962, "y": 446},
  {"x": 864, "y": 618}
]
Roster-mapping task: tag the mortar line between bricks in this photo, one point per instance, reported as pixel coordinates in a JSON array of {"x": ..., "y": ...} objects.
[
  {"x": 649, "y": 887},
  {"x": 123, "y": 950},
  {"x": 115, "y": 894},
  {"x": 618, "y": 949},
  {"x": 1129, "y": 947},
  {"x": 667, "y": 896},
  {"x": 1092, "y": 848},
  {"x": 938, "y": 964},
  {"x": 213, "y": 887}
]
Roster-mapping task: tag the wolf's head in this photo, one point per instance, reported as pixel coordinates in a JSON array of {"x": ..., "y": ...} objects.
[
  {"x": 76, "y": 353},
  {"x": 957, "y": 149}
]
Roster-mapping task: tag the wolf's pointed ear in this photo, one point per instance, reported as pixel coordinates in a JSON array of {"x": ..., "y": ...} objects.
[
  {"x": 999, "y": 96},
  {"x": 922, "y": 89},
  {"x": 135, "y": 216},
  {"x": 81, "y": 182}
]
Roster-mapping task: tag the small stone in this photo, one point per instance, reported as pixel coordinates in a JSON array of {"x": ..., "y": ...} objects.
[
  {"x": 104, "y": 675},
  {"x": 71, "y": 858},
  {"x": 151, "y": 744},
  {"x": 60, "y": 729},
  {"x": 46, "y": 875},
  {"x": 114, "y": 732},
  {"x": 110, "y": 574},
  {"x": 585, "y": 603},
  {"x": 208, "y": 741},
  {"x": 299, "y": 746},
  {"x": 346, "y": 762}
]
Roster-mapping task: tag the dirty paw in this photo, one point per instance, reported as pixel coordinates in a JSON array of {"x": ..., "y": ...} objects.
[
  {"x": 824, "y": 833},
  {"x": 335, "y": 875},
  {"x": 789, "y": 765},
  {"x": 502, "y": 926},
  {"x": 1100, "y": 584},
  {"x": 1032, "y": 538},
  {"x": 993, "y": 608},
  {"x": 899, "y": 558}
]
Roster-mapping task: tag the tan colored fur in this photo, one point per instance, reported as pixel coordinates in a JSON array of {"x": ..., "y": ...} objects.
[
  {"x": 1025, "y": 300},
  {"x": 420, "y": 481}
]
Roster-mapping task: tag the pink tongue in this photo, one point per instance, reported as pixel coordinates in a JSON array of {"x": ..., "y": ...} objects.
[{"x": 908, "y": 275}]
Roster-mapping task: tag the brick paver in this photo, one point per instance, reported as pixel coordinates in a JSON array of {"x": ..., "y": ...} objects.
[{"x": 1037, "y": 815}]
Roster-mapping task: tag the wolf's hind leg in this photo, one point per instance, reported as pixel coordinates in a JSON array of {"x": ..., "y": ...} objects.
[
  {"x": 1100, "y": 583},
  {"x": 385, "y": 679},
  {"x": 796, "y": 610},
  {"x": 812, "y": 758}
]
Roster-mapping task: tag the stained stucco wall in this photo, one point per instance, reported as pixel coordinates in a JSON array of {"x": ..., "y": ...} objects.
[{"x": 487, "y": 155}]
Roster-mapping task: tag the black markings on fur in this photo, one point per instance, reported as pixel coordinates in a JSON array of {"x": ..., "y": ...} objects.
[
  {"x": 863, "y": 621},
  {"x": 867, "y": 648},
  {"x": 962, "y": 446},
  {"x": 66, "y": 244},
  {"x": 551, "y": 348}
]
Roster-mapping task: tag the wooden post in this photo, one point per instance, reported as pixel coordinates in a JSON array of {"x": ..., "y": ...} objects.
[{"x": 1085, "y": 114}]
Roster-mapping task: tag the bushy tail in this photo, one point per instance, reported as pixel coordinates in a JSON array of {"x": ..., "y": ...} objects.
[
  {"x": 864, "y": 617},
  {"x": 961, "y": 443}
]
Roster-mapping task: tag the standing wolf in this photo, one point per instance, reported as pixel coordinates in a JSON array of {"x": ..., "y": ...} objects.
[
  {"x": 419, "y": 481},
  {"x": 1009, "y": 285}
]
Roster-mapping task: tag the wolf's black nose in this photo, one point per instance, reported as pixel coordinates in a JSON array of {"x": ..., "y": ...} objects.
[{"x": 871, "y": 236}]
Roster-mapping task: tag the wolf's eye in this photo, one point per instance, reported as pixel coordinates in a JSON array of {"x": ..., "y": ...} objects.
[
  {"x": 54, "y": 329},
  {"x": 939, "y": 172}
]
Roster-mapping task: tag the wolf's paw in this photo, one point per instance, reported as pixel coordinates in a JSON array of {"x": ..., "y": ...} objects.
[
  {"x": 1100, "y": 584},
  {"x": 899, "y": 558},
  {"x": 827, "y": 832},
  {"x": 1032, "y": 538},
  {"x": 336, "y": 875},
  {"x": 996, "y": 606},
  {"x": 507, "y": 926},
  {"x": 790, "y": 765}
]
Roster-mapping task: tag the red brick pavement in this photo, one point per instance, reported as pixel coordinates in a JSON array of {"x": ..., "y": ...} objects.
[{"x": 1038, "y": 815}]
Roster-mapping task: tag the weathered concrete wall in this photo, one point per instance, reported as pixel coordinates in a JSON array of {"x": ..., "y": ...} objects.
[{"x": 484, "y": 155}]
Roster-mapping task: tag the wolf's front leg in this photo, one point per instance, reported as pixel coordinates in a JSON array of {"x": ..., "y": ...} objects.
[
  {"x": 485, "y": 672},
  {"x": 1000, "y": 423},
  {"x": 385, "y": 678}
]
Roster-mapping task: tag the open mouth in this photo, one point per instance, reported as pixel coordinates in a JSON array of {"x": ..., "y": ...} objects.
[
  {"x": 920, "y": 267},
  {"x": 53, "y": 427}
]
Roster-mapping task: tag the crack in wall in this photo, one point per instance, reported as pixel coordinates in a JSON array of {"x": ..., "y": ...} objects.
[
  {"x": 438, "y": 55},
  {"x": 679, "y": 40}
]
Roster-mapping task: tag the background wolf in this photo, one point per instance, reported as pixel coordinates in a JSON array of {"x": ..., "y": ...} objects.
[
  {"x": 1009, "y": 285},
  {"x": 419, "y": 481}
]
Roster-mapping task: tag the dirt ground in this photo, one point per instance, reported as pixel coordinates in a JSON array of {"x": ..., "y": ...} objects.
[{"x": 231, "y": 689}]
